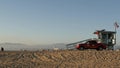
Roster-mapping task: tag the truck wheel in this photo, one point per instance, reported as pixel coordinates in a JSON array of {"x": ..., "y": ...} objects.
[
  {"x": 81, "y": 48},
  {"x": 100, "y": 48}
]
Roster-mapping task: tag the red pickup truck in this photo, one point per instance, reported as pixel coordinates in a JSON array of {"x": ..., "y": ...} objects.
[{"x": 92, "y": 44}]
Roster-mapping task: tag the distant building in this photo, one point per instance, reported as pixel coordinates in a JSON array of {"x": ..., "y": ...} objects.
[{"x": 55, "y": 48}]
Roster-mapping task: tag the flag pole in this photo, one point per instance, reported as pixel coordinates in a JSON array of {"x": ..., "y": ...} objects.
[
  {"x": 115, "y": 34},
  {"x": 115, "y": 29},
  {"x": 115, "y": 26}
]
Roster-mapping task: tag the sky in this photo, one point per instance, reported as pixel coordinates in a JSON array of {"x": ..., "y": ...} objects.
[{"x": 56, "y": 21}]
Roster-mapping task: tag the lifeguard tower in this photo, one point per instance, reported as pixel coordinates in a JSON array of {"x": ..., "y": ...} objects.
[{"x": 107, "y": 37}]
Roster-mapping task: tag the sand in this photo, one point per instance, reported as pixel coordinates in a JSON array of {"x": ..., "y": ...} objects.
[{"x": 60, "y": 59}]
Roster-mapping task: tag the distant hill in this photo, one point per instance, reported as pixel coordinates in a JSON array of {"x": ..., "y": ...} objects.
[
  {"x": 13, "y": 46},
  {"x": 19, "y": 46}
]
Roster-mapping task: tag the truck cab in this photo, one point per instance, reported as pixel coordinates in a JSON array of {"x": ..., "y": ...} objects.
[{"x": 92, "y": 44}]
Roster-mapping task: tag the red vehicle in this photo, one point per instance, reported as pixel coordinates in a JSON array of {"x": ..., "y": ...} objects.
[{"x": 92, "y": 44}]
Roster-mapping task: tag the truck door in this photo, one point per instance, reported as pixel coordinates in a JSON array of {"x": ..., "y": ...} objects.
[
  {"x": 93, "y": 44},
  {"x": 88, "y": 44}
]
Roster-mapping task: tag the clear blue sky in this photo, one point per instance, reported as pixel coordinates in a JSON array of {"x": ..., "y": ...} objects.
[{"x": 56, "y": 21}]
